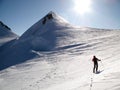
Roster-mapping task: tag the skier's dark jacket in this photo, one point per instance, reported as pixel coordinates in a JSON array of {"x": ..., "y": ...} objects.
[{"x": 95, "y": 60}]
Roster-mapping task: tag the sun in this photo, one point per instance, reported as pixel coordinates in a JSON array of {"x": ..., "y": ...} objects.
[{"x": 82, "y": 6}]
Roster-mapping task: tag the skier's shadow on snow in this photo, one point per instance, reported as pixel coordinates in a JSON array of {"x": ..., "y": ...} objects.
[{"x": 100, "y": 71}]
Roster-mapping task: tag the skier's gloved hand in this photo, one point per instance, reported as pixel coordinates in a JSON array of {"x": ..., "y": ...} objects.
[{"x": 99, "y": 60}]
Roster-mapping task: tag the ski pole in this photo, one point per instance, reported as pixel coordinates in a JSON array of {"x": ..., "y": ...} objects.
[{"x": 102, "y": 65}]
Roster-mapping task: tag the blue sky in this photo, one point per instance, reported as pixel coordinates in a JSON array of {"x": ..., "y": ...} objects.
[{"x": 19, "y": 15}]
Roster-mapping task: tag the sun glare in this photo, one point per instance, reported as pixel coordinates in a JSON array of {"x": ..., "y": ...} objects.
[{"x": 82, "y": 6}]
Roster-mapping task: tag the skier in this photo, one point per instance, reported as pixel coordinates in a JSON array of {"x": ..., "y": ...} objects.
[{"x": 95, "y": 61}]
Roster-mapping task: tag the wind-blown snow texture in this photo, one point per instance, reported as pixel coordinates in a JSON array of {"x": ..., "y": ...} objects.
[{"x": 58, "y": 57}]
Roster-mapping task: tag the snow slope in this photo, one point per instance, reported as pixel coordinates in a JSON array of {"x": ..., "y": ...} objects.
[{"x": 67, "y": 64}]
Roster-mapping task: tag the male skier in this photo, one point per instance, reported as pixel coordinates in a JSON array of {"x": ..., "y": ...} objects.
[{"x": 95, "y": 61}]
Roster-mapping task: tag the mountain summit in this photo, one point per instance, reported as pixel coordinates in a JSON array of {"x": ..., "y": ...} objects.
[
  {"x": 51, "y": 21},
  {"x": 6, "y": 34},
  {"x": 43, "y": 35},
  {"x": 5, "y": 31}
]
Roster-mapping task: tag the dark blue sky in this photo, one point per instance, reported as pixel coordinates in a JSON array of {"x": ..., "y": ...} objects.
[{"x": 19, "y": 15}]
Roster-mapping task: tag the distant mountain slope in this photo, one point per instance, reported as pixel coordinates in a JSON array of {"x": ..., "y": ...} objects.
[
  {"x": 5, "y": 31},
  {"x": 6, "y": 34}
]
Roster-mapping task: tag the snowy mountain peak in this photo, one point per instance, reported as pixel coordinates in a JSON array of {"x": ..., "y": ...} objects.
[
  {"x": 51, "y": 22},
  {"x": 49, "y": 16},
  {"x": 5, "y": 31},
  {"x": 2, "y": 25},
  {"x": 54, "y": 17},
  {"x": 46, "y": 32},
  {"x": 51, "y": 12}
]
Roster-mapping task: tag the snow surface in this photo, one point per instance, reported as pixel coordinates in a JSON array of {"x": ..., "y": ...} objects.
[{"x": 67, "y": 64}]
